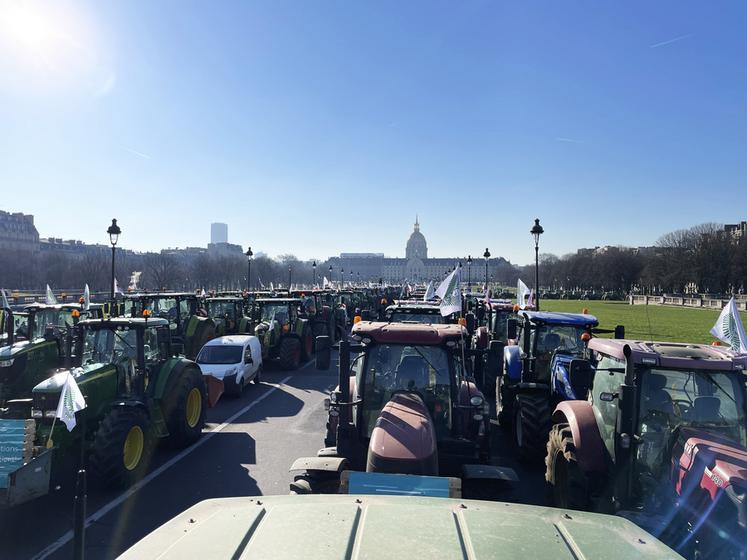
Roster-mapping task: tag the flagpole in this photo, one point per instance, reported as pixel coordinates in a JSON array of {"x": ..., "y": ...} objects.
[{"x": 81, "y": 497}]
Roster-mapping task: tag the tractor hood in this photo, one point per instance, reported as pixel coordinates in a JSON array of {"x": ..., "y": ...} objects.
[
  {"x": 329, "y": 527},
  {"x": 81, "y": 374},
  {"x": 9, "y": 352},
  {"x": 403, "y": 440},
  {"x": 704, "y": 462}
]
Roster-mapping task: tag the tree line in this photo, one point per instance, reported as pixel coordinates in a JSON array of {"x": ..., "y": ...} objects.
[{"x": 704, "y": 259}]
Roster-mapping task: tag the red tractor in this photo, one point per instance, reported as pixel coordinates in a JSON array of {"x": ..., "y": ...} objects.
[
  {"x": 662, "y": 441},
  {"x": 406, "y": 405}
]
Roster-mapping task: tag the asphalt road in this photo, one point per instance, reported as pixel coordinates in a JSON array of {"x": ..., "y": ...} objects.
[{"x": 247, "y": 448}]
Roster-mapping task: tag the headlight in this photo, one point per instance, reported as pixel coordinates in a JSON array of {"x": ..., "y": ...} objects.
[
  {"x": 6, "y": 363},
  {"x": 476, "y": 401},
  {"x": 50, "y": 413},
  {"x": 37, "y": 414},
  {"x": 333, "y": 397}
]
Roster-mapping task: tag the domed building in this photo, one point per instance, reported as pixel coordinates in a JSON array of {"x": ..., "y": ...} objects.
[{"x": 415, "y": 267}]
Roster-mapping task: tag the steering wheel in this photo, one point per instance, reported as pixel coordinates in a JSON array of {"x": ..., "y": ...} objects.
[{"x": 682, "y": 407}]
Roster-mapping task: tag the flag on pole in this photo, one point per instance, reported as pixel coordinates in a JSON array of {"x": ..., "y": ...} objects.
[
  {"x": 86, "y": 298},
  {"x": 450, "y": 293},
  {"x": 71, "y": 401},
  {"x": 530, "y": 299},
  {"x": 5, "y": 299},
  {"x": 523, "y": 294},
  {"x": 272, "y": 287},
  {"x": 117, "y": 289},
  {"x": 50, "y": 299},
  {"x": 729, "y": 328},
  {"x": 202, "y": 293},
  {"x": 261, "y": 285},
  {"x": 326, "y": 283},
  {"x": 429, "y": 292},
  {"x": 134, "y": 279}
]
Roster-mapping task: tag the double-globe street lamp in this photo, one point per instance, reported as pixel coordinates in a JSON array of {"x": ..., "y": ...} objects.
[
  {"x": 313, "y": 267},
  {"x": 113, "y": 232},
  {"x": 536, "y": 231}
]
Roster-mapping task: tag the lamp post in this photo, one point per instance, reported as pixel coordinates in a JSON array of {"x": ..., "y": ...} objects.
[
  {"x": 330, "y": 275},
  {"x": 113, "y": 232},
  {"x": 313, "y": 267},
  {"x": 469, "y": 271},
  {"x": 342, "y": 278},
  {"x": 486, "y": 255},
  {"x": 536, "y": 231},
  {"x": 249, "y": 256},
  {"x": 351, "y": 277},
  {"x": 290, "y": 276}
]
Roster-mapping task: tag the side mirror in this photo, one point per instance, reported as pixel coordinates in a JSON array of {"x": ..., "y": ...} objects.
[
  {"x": 512, "y": 328},
  {"x": 581, "y": 376},
  {"x": 323, "y": 353},
  {"x": 248, "y": 360}
]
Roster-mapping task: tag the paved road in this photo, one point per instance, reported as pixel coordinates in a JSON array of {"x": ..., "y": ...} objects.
[{"x": 247, "y": 448}]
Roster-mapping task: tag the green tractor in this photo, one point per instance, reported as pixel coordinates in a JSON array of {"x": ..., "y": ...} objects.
[
  {"x": 35, "y": 342},
  {"x": 190, "y": 325},
  {"x": 318, "y": 307},
  {"x": 229, "y": 315},
  {"x": 283, "y": 332},
  {"x": 136, "y": 393}
]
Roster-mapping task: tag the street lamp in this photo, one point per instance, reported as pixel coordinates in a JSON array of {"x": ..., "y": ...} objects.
[
  {"x": 342, "y": 278},
  {"x": 313, "y": 267},
  {"x": 486, "y": 255},
  {"x": 290, "y": 276},
  {"x": 113, "y": 232},
  {"x": 469, "y": 271},
  {"x": 249, "y": 256},
  {"x": 331, "y": 279},
  {"x": 536, "y": 231}
]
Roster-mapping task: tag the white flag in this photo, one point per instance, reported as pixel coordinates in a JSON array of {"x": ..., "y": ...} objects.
[
  {"x": 261, "y": 285},
  {"x": 5, "y": 300},
  {"x": 71, "y": 401},
  {"x": 134, "y": 279},
  {"x": 729, "y": 328},
  {"x": 530, "y": 299},
  {"x": 325, "y": 282},
  {"x": 117, "y": 289},
  {"x": 523, "y": 293},
  {"x": 86, "y": 298},
  {"x": 429, "y": 292},
  {"x": 202, "y": 293},
  {"x": 272, "y": 287},
  {"x": 50, "y": 299},
  {"x": 450, "y": 293}
]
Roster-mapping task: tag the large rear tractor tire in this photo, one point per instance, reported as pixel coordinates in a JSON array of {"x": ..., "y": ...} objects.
[
  {"x": 532, "y": 422},
  {"x": 185, "y": 407},
  {"x": 290, "y": 353},
  {"x": 121, "y": 447},
  {"x": 569, "y": 486}
]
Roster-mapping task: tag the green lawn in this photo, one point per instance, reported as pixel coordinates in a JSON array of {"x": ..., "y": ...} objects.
[{"x": 645, "y": 322}]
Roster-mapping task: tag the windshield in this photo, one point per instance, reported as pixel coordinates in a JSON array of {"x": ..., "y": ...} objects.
[
  {"x": 711, "y": 401},
  {"x": 432, "y": 318},
  {"x": 276, "y": 311},
  {"x": 392, "y": 368},
  {"x": 220, "y": 355},
  {"x": 102, "y": 346},
  {"x": 222, "y": 309},
  {"x": 500, "y": 323},
  {"x": 43, "y": 318}
]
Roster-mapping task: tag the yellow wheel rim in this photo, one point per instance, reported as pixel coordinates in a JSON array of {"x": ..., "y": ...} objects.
[
  {"x": 133, "y": 448},
  {"x": 194, "y": 407}
]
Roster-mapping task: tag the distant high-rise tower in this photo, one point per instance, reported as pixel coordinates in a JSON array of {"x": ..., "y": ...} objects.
[{"x": 218, "y": 233}]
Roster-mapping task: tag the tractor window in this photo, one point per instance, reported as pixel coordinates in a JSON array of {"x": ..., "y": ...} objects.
[
  {"x": 125, "y": 345},
  {"x": 166, "y": 308},
  {"x": 500, "y": 321},
  {"x": 392, "y": 368},
  {"x": 426, "y": 318},
  {"x": 606, "y": 381},
  {"x": 184, "y": 311},
  {"x": 57, "y": 318},
  {"x": 151, "y": 350},
  {"x": 275, "y": 311},
  {"x": 293, "y": 313},
  {"x": 98, "y": 346}
]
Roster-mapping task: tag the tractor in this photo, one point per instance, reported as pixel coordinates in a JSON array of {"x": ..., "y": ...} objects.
[
  {"x": 136, "y": 393},
  {"x": 33, "y": 346},
  {"x": 489, "y": 340},
  {"x": 545, "y": 362},
  {"x": 318, "y": 306},
  {"x": 414, "y": 311},
  {"x": 229, "y": 315},
  {"x": 283, "y": 332},
  {"x": 405, "y": 406},
  {"x": 662, "y": 441},
  {"x": 190, "y": 326}
]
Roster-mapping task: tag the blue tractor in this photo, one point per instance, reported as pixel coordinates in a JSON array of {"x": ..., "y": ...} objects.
[{"x": 545, "y": 362}]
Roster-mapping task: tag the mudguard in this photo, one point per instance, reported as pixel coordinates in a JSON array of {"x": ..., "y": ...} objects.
[
  {"x": 591, "y": 453},
  {"x": 512, "y": 359}
]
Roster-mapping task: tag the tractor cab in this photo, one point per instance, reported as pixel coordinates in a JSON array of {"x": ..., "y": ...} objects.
[
  {"x": 187, "y": 317},
  {"x": 664, "y": 441},
  {"x": 283, "y": 330},
  {"x": 228, "y": 313}
]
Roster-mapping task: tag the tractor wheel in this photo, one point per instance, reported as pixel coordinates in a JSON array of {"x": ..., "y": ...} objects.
[
  {"x": 121, "y": 447},
  {"x": 568, "y": 483},
  {"x": 307, "y": 348},
  {"x": 290, "y": 353},
  {"x": 185, "y": 407},
  {"x": 532, "y": 422},
  {"x": 319, "y": 329}
]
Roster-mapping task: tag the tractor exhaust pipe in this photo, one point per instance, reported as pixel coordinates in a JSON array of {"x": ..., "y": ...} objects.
[
  {"x": 626, "y": 426},
  {"x": 344, "y": 442}
]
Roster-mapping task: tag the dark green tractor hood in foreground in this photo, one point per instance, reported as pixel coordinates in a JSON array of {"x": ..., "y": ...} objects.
[{"x": 331, "y": 527}]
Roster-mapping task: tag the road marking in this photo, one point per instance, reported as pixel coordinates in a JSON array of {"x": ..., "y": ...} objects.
[{"x": 116, "y": 502}]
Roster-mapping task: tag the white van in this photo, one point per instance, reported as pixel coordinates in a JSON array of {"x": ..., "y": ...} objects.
[{"x": 235, "y": 359}]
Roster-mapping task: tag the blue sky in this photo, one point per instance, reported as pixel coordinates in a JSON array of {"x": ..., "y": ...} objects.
[{"x": 318, "y": 127}]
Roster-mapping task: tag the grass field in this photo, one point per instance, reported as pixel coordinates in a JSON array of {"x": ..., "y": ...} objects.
[{"x": 645, "y": 322}]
